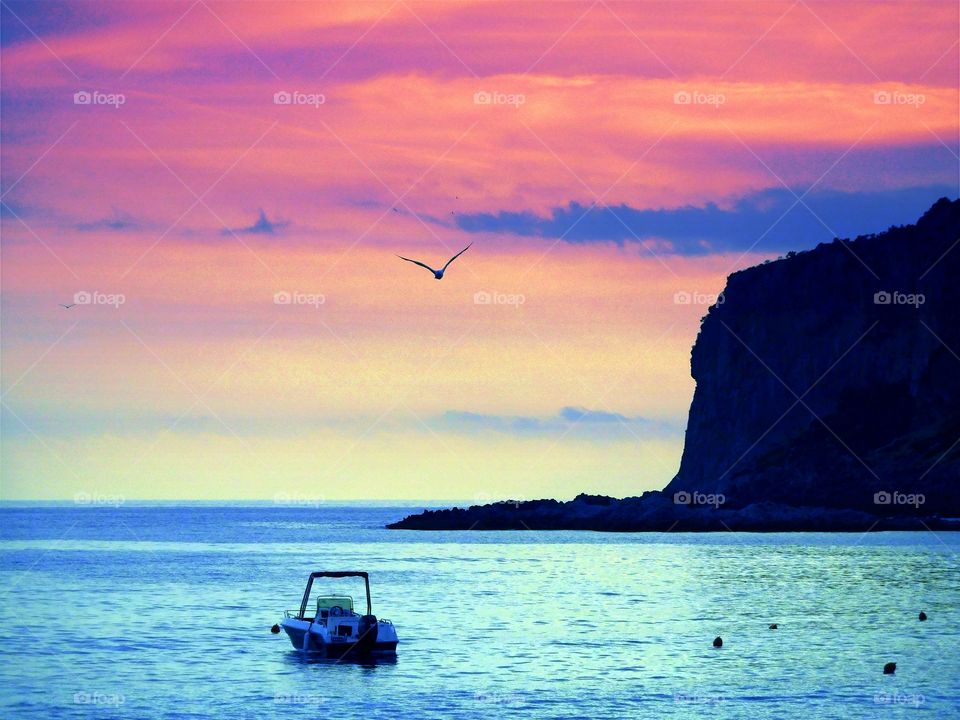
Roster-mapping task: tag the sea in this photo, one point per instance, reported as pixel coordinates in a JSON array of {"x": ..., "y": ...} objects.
[{"x": 114, "y": 609}]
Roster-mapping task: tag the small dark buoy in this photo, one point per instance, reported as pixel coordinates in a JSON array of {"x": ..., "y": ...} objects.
[
  {"x": 923, "y": 616},
  {"x": 718, "y": 642},
  {"x": 889, "y": 668},
  {"x": 275, "y": 629},
  {"x": 773, "y": 626}
]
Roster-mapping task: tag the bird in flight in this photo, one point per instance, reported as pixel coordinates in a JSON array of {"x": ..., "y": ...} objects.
[
  {"x": 67, "y": 306},
  {"x": 437, "y": 274}
]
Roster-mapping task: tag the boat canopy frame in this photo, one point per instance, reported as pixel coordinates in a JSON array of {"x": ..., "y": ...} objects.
[{"x": 334, "y": 574}]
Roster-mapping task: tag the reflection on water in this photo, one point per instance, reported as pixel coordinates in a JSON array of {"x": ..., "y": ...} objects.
[
  {"x": 369, "y": 662},
  {"x": 166, "y": 612}
]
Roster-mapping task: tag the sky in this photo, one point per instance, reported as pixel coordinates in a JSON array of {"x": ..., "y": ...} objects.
[{"x": 223, "y": 188}]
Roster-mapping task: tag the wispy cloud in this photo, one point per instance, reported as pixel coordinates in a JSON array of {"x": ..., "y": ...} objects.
[
  {"x": 576, "y": 420},
  {"x": 773, "y": 215},
  {"x": 262, "y": 226},
  {"x": 119, "y": 220}
]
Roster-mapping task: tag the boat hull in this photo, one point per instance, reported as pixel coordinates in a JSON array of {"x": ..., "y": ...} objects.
[{"x": 307, "y": 637}]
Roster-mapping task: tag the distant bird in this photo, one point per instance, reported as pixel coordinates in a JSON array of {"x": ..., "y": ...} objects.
[
  {"x": 437, "y": 274},
  {"x": 773, "y": 626},
  {"x": 718, "y": 642},
  {"x": 889, "y": 668},
  {"x": 923, "y": 616},
  {"x": 67, "y": 306}
]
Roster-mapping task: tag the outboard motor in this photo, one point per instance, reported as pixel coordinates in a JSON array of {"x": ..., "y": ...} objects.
[{"x": 367, "y": 630}]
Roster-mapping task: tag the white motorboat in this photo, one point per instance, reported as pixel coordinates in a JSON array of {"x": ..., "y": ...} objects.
[{"x": 330, "y": 624}]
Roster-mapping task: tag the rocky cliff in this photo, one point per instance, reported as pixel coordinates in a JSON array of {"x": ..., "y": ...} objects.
[
  {"x": 827, "y": 398},
  {"x": 831, "y": 378}
]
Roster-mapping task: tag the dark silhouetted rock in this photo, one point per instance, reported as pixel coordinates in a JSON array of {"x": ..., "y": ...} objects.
[
  {"x": 718, "y": 642},
  {"x": 889, "y": 668},
  {"x": 923, "y": 616},
  {"x": 820, "y": 383}
]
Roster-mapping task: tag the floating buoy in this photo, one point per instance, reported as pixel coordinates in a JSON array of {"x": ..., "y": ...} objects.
[
  {"x": 889, "y": 668},
  {"x": 718, "y": 642},
  {"x": 923, "y": 616},
  {"x": 773, "y": 626},
  {"x": 275, "y": 629}
]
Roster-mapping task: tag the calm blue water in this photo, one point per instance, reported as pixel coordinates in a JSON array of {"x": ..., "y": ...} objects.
[{"x": 164, "y": 612}]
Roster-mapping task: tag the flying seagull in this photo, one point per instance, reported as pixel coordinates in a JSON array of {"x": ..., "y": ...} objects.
[
  {"x": 438, "y": 274},
  {"x": 67, "y": 306}
]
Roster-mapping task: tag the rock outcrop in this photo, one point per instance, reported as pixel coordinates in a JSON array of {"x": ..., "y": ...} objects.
[
  {"x": 827, "y": 398},
  {"x": 831, "y": 378}
]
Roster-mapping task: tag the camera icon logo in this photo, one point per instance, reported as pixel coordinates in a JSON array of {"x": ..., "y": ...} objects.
[
  {"x": 682, "y": 498},
  {"x": 881, "y": 97},
  {"x": 282, "y": 298},
  {"x": 682, "y": 97},
  {"x": 682, "y": 297},
  {"x": 482, "y": 97},
  {"x": 282, "y": 97},
  {"x": 882, "y": 498},
  {"x": 881, "y": 298},
  {"x": 482, "y": 297},
  {"x": 82, "y": 97},
  {"x": 82, "y": 298}
]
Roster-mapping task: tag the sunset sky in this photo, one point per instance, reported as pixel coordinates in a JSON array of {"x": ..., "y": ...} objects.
[{"x": 188, "y": 167}]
